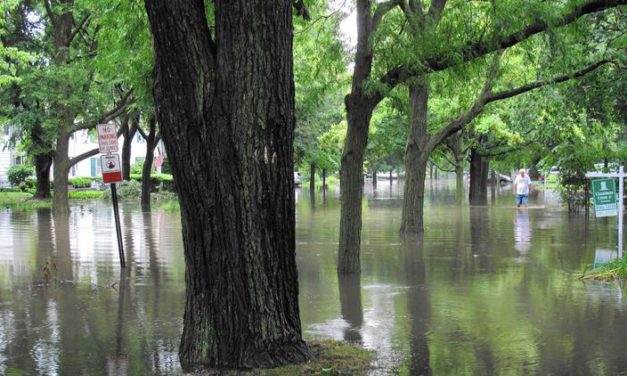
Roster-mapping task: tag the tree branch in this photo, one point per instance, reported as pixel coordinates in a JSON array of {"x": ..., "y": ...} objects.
[
  {"x": 488, "y": 97},
  {"x": 111, "y": 114},
  {"x": 476, "y": 49},
  {"x": 78, "y": 29},
  {"x": 301, "y": 9},
  {"x": 381, "y": 10},
  {"x": 50, "y": 12},
  {"x": 537, "y": 84},
  {"x": 436, "y": 8},
  {"x": 83, "y": 156}
]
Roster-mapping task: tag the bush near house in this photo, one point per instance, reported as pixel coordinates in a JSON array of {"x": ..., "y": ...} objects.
[{"x": 18, "y": 174}]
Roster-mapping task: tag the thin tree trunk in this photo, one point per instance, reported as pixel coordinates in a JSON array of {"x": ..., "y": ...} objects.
[
  {"x": 42, "y": 173},
  {"x": 231, "y": 156},
  {"x": 374, "y": 178},
  {"x": 458, "y": 144},
  {"x": 351, "y": 184},
  {"x": 416, "y": 159},
  {"x": 60, "y": 203},
  {"x": 478, "y": 192},
  {"x": 151, "y": 143},
  {"x": 324, "y": 179},
  {"x": 129, "y": 134},
  {"x": 312, "y": 177}
]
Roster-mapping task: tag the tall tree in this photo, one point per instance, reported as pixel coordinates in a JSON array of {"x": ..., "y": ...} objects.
[
  {"x": 437, "y": 51},
  {"x": 225, "y": 106}
]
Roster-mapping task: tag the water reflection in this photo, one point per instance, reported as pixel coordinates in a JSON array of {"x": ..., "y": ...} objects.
[
  {"x": 418, "y": 304},
  {"x": 522, "y": 231},
  {"x": 351, "y": 308},
  {"x": 458, "y": 301}
]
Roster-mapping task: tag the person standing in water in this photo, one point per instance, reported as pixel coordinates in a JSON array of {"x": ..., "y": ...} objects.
[{"x": 522, "y": 186}]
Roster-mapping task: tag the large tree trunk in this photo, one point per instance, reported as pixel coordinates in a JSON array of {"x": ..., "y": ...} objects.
[
  {"x": 42, "y": 173},
  {"x": 351, "y": 306},
  {"x": 226, "y": 114},
  {"x": 479, "y": 168},
  {"x": 351, "y": 184},
  {"x": 128, "y": 133},
  {"x": 151, "y": 143},
  {"x": 416, "y": 159}
]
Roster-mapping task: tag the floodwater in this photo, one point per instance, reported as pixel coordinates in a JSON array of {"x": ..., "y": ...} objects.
[{"x": 488, "y": 291}]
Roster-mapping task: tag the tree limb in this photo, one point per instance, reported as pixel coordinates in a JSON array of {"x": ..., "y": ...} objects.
[
  {"x": 301, "y": 9},
  {"x": 111, "y": 114},
  {"x": 476, "y": 49},
  {"x": 381, "y": 10},
  {"x": 50, "y": 12},
  {"x": 78, "y": 29},
  {"x": 488, "y": 97}
]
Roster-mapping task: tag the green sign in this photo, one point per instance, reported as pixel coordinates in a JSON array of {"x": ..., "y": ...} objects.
[{"x": 604, "y": 197}]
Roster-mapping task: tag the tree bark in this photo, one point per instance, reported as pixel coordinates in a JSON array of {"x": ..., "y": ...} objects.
[
  {"x": 151, "y": 143},
  {"x": 60, "y": 203},
  {"x": 42, "y": 173},
  {"x": 458, "y": 155},
  {"x": 478, "y": 192},
  {"x": 226, "y": 114},
  {"x": 351, "y": 184},
  {"x": 312, "y": 177},
  {"x": 416, "y": 159},
  {"x": 324, "y": 179},
  {"x": 374, "y": 178},
  {"x": 128, "y": 133}
]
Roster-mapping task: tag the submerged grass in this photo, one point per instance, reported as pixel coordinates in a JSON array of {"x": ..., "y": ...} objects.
[
  {"x": 22, "y": 201},
  {"x": 331, "y": 358},
  {"x": 615, "y": 269}
]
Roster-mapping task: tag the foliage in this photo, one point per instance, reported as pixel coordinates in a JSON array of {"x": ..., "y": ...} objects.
[
  {"x": 137, "y": 167},
  {"x": 85, "y": 195},
  {"x": 158, "y": 182},
  {"x": 22, "y": 201},
  {"x": 126, "y": 190},
  {"x": 81, "y": 182},
  {"x": 615, "y": 269},
  {"x": 18, "y": 174}
]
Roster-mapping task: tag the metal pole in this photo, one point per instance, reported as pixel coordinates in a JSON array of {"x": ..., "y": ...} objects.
[
  {"x": 114, "y": 197},
  {"x": 621, "y": 177}
]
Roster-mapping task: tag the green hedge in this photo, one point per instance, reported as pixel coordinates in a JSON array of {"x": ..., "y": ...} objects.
[
  {"x": 85, "y": 195},
  {"x": 81, "y": 181},
  {"x": 158, "y": 182}
]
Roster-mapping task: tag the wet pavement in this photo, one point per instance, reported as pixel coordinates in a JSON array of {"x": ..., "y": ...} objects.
[{"x": 487, "y": 291}]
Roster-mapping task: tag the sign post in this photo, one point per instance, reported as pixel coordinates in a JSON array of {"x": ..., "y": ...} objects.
[
  {"x": 111, "y": 174},
  {"x": 605, "y": 201}
]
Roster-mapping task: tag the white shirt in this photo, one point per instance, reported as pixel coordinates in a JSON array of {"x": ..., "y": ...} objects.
[{"x": 522, "y": 184}]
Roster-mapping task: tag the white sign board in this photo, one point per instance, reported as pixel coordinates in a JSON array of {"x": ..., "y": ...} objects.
[
  {"x": 111, "y": 168},
  {"x": 107, "y": 138}
]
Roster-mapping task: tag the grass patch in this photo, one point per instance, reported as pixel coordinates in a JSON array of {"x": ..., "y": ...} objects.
[
  {"x": 85, "y": 195},
  {"x": 615, "y": 269},
  {"x": 22, "y": 201},
  {"x": 171, "y": 205},
  {"x": 332, "y": 358}
]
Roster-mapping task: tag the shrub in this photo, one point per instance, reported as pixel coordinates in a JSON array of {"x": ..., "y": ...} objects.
[
  {"x": 136, "y": 168},
  {"x": 126, "y": 189},
  {"x": 80, "y": 182},
  {"x": 158, "y": 182},
  {"x": 18, "y": 174},
  {"x": 85, "y": 195}
]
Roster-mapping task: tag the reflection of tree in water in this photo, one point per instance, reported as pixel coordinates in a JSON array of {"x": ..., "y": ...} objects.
[
  {"x": 352, "y": 310},
  {"x": 480, "y": 237},
  {"x": 418, "y": 304},
  {"x": 62, "y": 248}
]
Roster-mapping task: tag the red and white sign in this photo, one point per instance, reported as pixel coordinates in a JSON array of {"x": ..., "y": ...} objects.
[
  {"x": 111, "y": 168},
  {"x": 107, "y": 138}
]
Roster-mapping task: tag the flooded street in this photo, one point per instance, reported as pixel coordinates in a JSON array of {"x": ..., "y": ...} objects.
[{"x": 488, "y": 290}]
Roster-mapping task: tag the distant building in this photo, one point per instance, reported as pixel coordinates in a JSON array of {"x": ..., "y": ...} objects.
[{"x": 8, "y": 157}]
